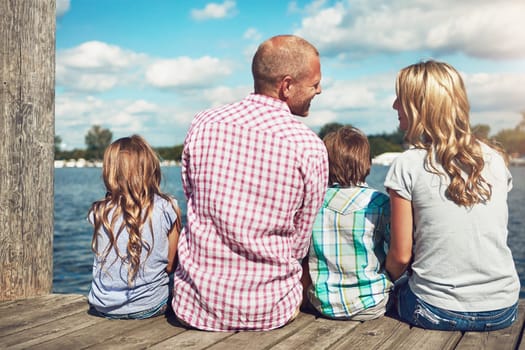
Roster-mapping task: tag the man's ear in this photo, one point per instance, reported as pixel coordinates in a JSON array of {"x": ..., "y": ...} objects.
[{"x": 285, "y": 87}]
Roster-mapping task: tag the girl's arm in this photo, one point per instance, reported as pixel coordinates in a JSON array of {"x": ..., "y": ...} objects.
[
  {"x": 173, "y": 240},
  {"x": 401, "y": 226}
]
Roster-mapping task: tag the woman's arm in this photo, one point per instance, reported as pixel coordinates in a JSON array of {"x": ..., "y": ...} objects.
[
  {"x": 401, "y": 226},
  {"x": 173, "y": 240}
]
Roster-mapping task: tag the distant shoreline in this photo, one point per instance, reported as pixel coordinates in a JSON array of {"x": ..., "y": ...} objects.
[
  {"x": 82, "y": 163},
  {"x": 384, "y": 159}
]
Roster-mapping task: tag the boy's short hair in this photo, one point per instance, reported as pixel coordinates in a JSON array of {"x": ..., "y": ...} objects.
[{"x": 348, "y": 156}]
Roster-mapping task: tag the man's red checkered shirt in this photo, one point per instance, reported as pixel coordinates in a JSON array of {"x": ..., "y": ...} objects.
[{"x": 254, "y": 178}]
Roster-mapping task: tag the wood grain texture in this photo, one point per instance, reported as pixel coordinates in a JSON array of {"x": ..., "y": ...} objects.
[
  {"x": 27, "y": 95},
  {"x": 59, "y": 321}
]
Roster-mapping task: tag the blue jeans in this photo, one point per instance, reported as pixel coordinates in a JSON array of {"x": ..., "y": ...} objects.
[
  {"x": 415, "y": 311},
  {"x": 139, "y": 315}
]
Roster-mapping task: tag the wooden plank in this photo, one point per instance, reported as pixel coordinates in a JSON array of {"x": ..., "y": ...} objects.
[
  {"x": 29, "y": 305},
  {"x": 31, "y": 337},
  {"x": 143, "y": 337},
  {"x": 373, "y": 334},
  {"x": 6, "y": 305},
  {"x": 192, "y": 340},
  {"x": 24, "y": 316},
  {"x": 522, "y": 341},
  {"x": 264, "y": 340},
  {"x": 320, "y": 334},
  {"x": 419, "y": 338},
  {"x": 63, "y": 322},
  {"x": 99, "y": 333},
  {"x": 508, "y": 338}
]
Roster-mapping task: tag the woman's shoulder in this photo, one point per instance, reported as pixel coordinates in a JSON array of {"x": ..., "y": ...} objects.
[
  {"x": 165, "y": 201},
  {"x": 490, "y": 152},
  {"x": 411, "y": 156}
]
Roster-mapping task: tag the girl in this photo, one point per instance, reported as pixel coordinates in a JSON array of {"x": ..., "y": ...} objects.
[
  {"x": 136, "y": 229},
  {"x": 448, "y": 195}
]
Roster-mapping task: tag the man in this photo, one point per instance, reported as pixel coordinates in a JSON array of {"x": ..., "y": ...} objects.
[{"x": 254, "y": 177}]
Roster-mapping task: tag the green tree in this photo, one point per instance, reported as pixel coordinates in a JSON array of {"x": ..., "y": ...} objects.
[
  {"x": 73, "y": 154},
  {"x": 58, "y": 142},
  {"x": 170, "y": 153},
  {"x": 521, "y": 125},
  {"x": 328, "y": 128},
  {"x": 380, "y": 144},
  {"x": 481, "y": 131},
  {"x": 97, "y": 139},
  {"x": 395, "y": 138},
  {"x": 513, "y": 140}
]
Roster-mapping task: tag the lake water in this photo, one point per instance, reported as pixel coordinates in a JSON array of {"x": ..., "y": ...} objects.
[{"x": 77, "y": 188}]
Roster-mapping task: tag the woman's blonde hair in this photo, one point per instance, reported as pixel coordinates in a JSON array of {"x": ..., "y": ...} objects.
[
  {"x": 433, "y": 97},
  {"x": 348, "y": 156},
  {"x": 132, "y": 176}
]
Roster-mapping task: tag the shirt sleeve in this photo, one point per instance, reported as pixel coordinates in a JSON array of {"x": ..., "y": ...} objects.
[
  {"x": 399, "y": 179},
  {"x": 509, "y": 180},
  {"x": 170, "y": 216},
  {"x": 315, "y": 185},
  {"x": 91, "y": 216}
]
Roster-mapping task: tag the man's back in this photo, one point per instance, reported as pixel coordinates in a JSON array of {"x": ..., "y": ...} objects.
[{"x": 254, "y": 178}]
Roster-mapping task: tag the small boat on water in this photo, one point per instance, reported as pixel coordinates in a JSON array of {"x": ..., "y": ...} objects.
[
  {"x": 517, "y": 161},
  {"x": 385, "y": 158}
]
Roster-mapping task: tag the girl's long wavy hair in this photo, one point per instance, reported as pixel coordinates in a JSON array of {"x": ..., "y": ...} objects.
[
  {"x": 433, "y": 97},
  {"x": 132, "y": 176}
]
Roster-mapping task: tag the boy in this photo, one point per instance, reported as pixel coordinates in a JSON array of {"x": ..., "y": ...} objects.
[{"x": 350, "y": 236}]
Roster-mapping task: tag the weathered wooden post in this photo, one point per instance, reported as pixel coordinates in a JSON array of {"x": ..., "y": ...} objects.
[{"x": 27, "y": 106}]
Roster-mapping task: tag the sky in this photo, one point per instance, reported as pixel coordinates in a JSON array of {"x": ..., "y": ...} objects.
[{"x": 147, "y": 67}]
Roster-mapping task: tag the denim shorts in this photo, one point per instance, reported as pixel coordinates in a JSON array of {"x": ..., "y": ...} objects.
[
  {"x": 415, "y": 311},
  {"x": 139, "y": 315}
]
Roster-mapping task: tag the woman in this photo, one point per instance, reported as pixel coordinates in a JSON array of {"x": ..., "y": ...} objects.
[{"x": 449, "y": 211}]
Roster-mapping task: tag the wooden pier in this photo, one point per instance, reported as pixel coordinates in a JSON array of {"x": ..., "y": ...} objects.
[{"x": 61, "y": 321}]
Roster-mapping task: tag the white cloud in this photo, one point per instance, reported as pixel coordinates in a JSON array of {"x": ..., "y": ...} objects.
[
  {"x": 496, "y": 91},
  {"x": 215, "y": 11},
  {"x": 62, "y": 6},
  {"x": 319, "y": 117},
  {"x": 221, "y": 95},
  {"x": 315, "y": 6},
  {"x": 252, "y": 34},
  {"x": 96, "y": 67},
  {"x": 140, "y": 107},
  {"x": 76, "y": 114},
  {"x": 496, "y": 99},
  {"x": 85, "y": 81},
  {"x": 355, "y": 94},
  {"x": 97, "y": 55},
  {"x": 497, "y": 119},
  {"x": 186, "y": 72},
  {"x": 343, "y": 95},
  {"x": 483, "y": 29}
]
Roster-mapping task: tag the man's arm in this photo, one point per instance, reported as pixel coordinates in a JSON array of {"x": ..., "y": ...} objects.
[{"x": 315, "y": 185}]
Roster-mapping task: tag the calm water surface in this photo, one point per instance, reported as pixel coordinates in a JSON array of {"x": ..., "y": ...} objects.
[{"x": 77, "y": 188}]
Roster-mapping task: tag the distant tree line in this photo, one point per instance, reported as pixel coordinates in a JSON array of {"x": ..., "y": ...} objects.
[
  {"x": 512, "y": 140},
  {"x": 379, "y": 143},
  {"x": 98, "y": 138}
]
